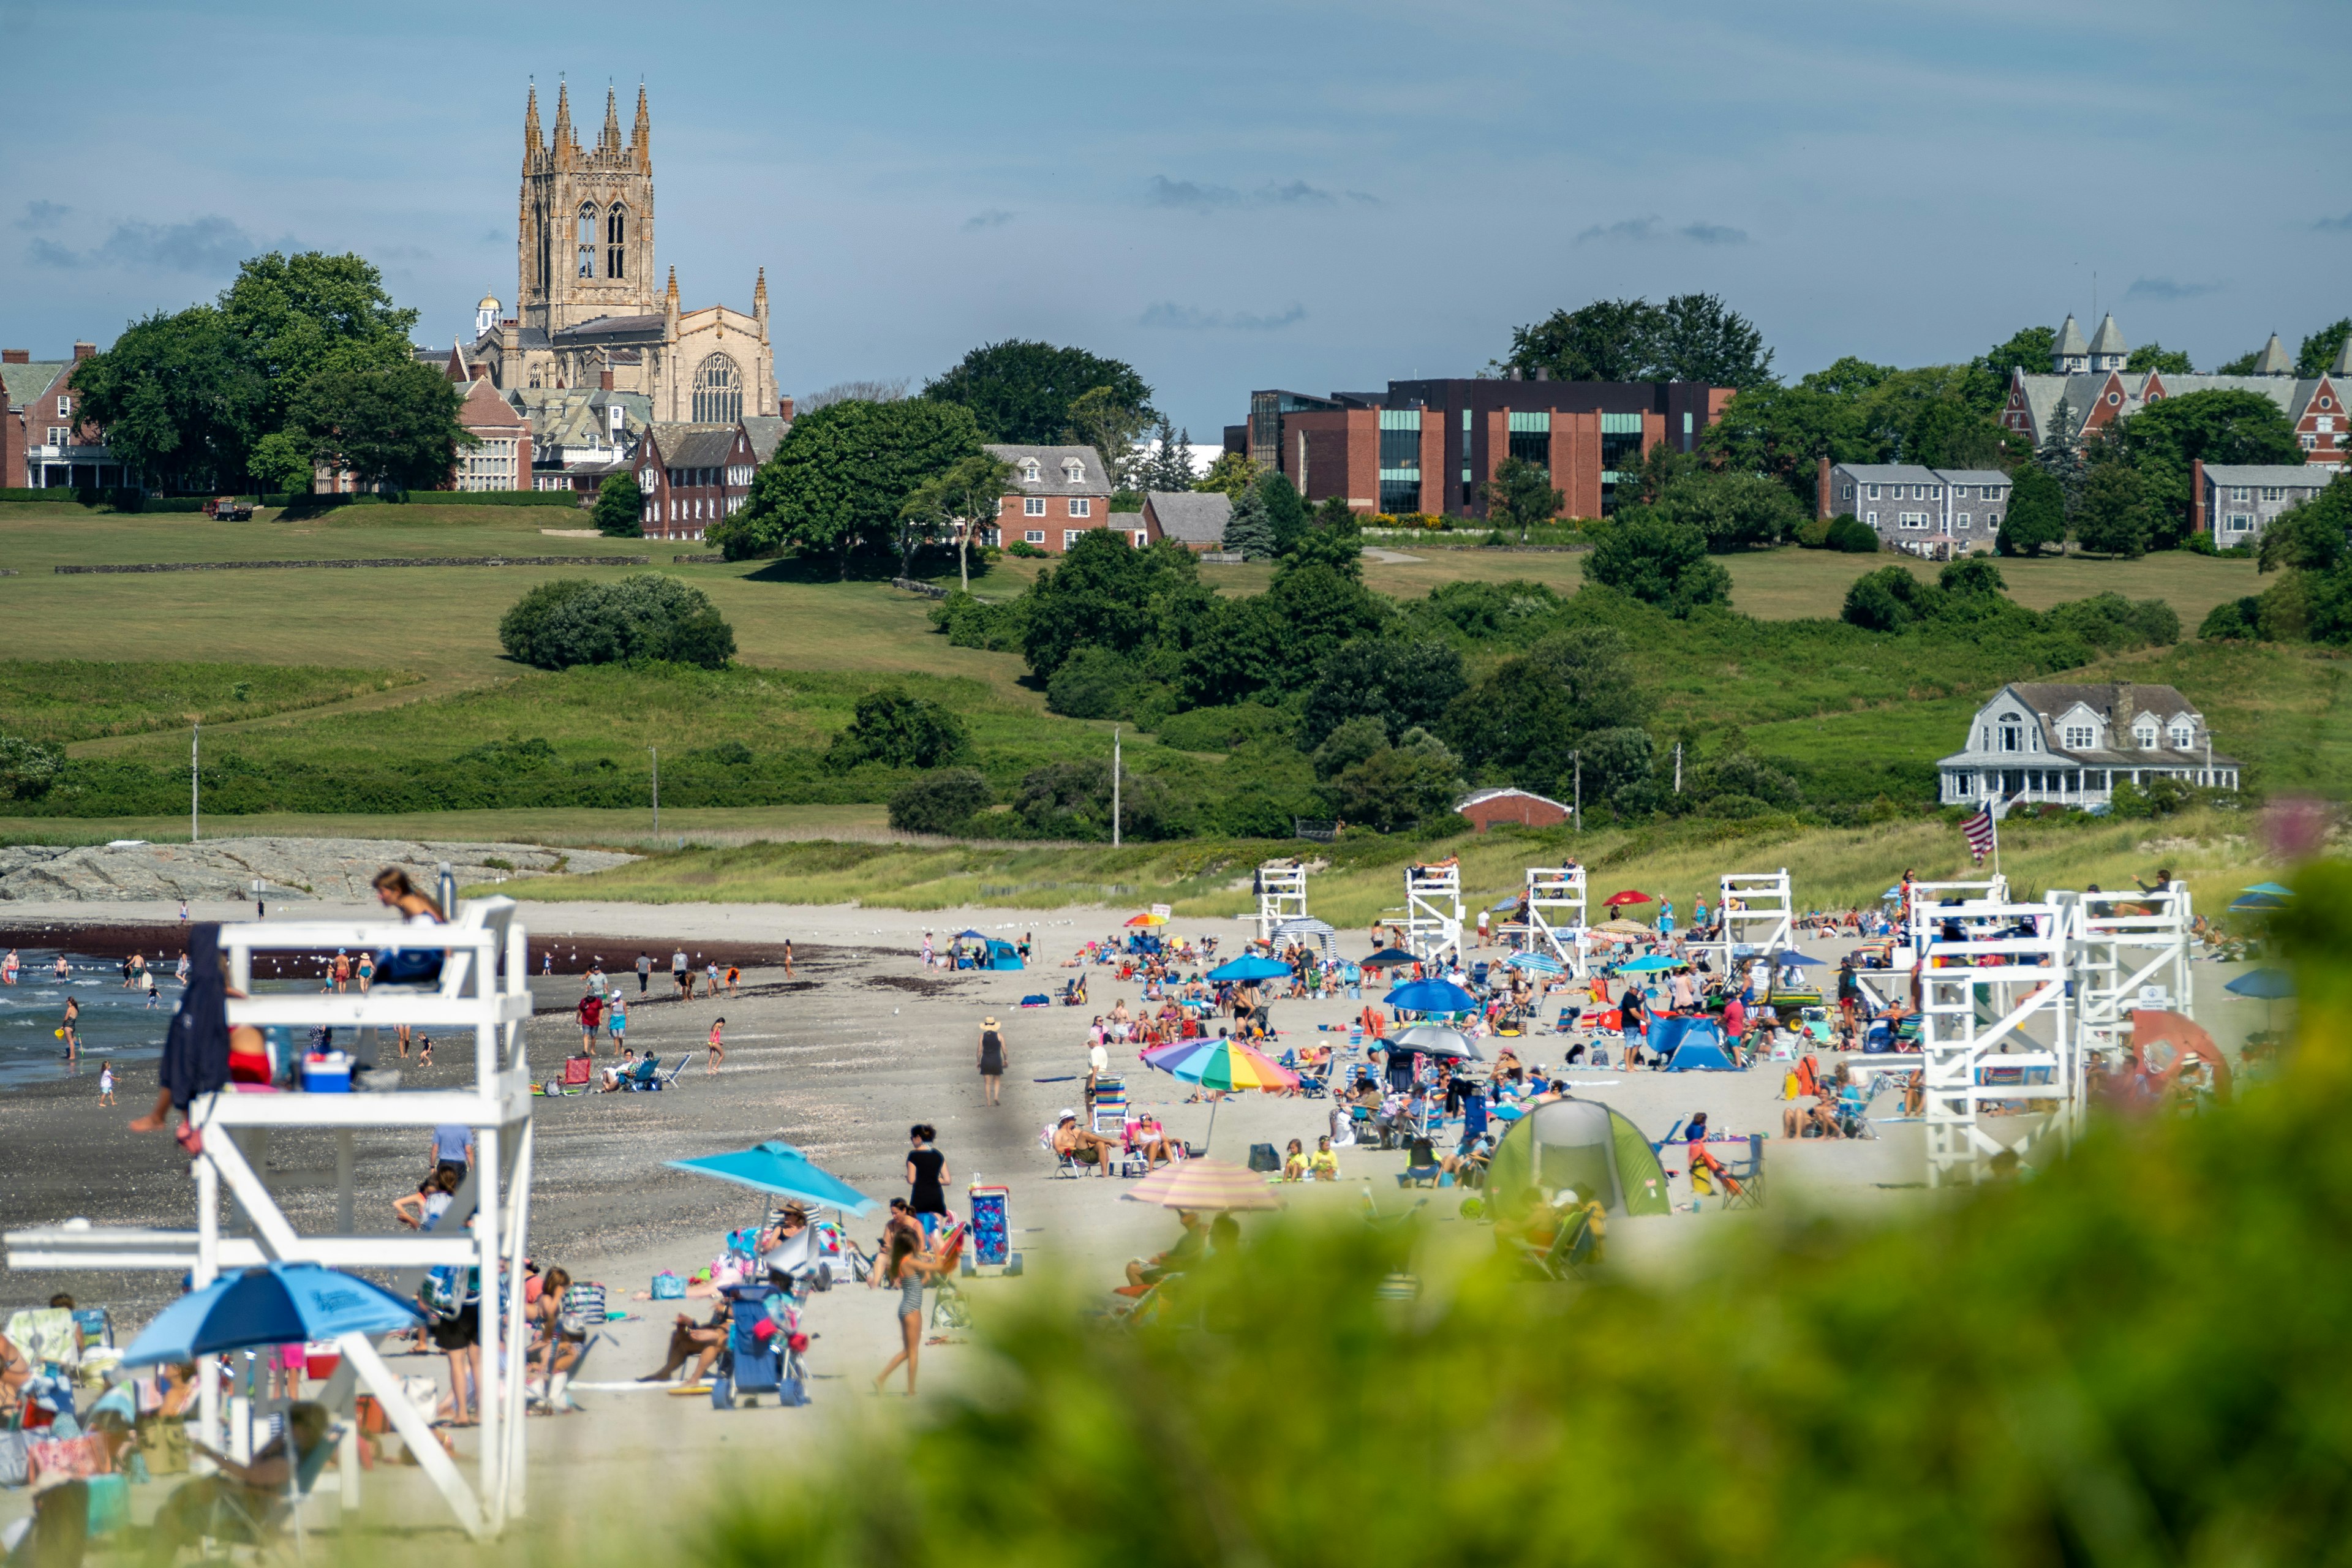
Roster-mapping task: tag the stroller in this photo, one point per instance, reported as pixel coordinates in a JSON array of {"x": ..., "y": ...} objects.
[{"x": 763, "y": 1353}]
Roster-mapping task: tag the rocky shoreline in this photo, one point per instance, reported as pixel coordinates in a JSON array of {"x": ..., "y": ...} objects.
[{"x": 339, "y": 871}]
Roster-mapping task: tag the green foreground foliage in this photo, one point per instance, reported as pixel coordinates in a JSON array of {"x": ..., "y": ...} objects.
[{"x": 2134, "y": 1360}]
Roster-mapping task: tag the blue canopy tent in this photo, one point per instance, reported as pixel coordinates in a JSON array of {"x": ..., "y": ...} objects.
[
  {"x": 1689, "y": 1045},
  {"x": 992, "y": 952}
]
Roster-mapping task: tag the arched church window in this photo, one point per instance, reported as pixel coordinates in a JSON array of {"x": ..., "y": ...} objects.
[
  {"x": 617, "y": 234},
  {"x": 718, "y": 392},
  {"x": 588, "y": 239}
]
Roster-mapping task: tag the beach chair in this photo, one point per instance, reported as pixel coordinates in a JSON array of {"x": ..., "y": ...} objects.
[
  {"x": 1063, "y": 1164},
  {"x": 644, "y": 1076},
  {"x": 1109, "y": 1109},
  {"x": 1743, "y": 1184},
  {"x": 1570, "y": 1252},
  {"x": 669, "y": 1079},
  {"x": 239, "y": 1515},
  {"x": 948, "y": 1308},
  {"x": 579, "y": 1076},
  {"x": 757, "y": 1357}
]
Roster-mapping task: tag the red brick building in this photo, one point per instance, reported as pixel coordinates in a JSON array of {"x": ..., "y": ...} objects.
[
  {"x": 1489, "y": 806},
  {"x": 1432, "y": 447},
  {"x": 1056, "y": 494},
  {"x": 44, "y": 444},
  {"x": 693, "y": 476},
  {"x": 502, "y": 460}
]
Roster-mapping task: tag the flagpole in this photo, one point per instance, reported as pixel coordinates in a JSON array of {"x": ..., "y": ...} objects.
[{"x": 1996, "y": 841}]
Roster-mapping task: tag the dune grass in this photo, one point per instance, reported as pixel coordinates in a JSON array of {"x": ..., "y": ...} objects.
[{"x": 60, "y": 700}]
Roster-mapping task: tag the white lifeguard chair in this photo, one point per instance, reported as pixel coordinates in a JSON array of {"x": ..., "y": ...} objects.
[
  {"x": 1281, "y": 896},
  {"x": 475, "y": 994},
  {"x": 1759, "y": 913},
  {"x": 1996, "y": 1027},
  {"x": 1554, "y": 902},
  {"x": 2128, "y": 950},
  {"x": 1433, "y": 909}
]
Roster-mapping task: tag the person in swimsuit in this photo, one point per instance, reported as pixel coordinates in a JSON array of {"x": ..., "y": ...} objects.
[
  {"x": 718, "y": 1047},
  {"x": 906, "y": 1267},
  {"x": 926, "y": 1178},
  {"x": 73, "y": 1018},
  {"x": 992, "y": 1062}
]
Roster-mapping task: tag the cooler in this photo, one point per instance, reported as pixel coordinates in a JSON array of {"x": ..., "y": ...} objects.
[{"x": 991, "y": 1226}]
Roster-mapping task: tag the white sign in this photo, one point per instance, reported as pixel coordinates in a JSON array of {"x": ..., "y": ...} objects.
[{"x": 1163, "y": 911}]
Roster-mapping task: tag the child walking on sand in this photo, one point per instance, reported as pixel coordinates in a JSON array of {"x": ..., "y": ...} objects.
[
  {"x": 718, "y": 1047},
  {"x": 106, "y": 1084}
]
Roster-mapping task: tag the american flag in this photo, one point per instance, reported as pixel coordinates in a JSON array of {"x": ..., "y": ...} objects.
[{"x": 1980, "y": 831}]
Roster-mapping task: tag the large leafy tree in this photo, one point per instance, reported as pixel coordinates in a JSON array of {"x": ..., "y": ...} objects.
[
  {"x": 1104, "y": 420},
  {"x": 2036, "y": 515},
  {"x": 2157, "y": 358},
  {"x": 1019, "y": 391},
  {"x": 844, "y": 475},
  {"x": 1691, "y": 337},
  {"x": 954, "y": 504},
  {"x": 620, "y": 507},
  {"x": 1658, "y": 562},
  {"x": 1286, "y": 510},
  {"x": 1731, "y": 510},
  {"x": 2164, "y": 437},
  {"x": 1857, "y": 411},
  {"x": 1105, "y": 593},
  {"x": 1525, "y": 720},
  {"x": 179, "y": 397},
  {"x": 1522, "y": 496},
  {"x": 392, "y": 427},
  {"x": 2115, "y": 517},
  {"x": 2028, "y": 349},
  {"x": 2320, "y": 349},
  {"x": 1398, "y": 684},
  {"x": 301, "y": 315}
]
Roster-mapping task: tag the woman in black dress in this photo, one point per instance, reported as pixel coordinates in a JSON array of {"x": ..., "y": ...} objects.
[
  {"x": 926, "y": 1177},
  {"x": 992, "y": 1062}
]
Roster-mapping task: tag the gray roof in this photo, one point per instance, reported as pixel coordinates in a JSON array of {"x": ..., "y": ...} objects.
[
  {"x": 694, "y": 445},
  {"x": 2083, "y": 390},
  {"x": 1094, "y": 478},
  {"x": 27, "y": 381},
  {"x": 2050, "y": 699},
  {"x": 1974, "y": 476},
  {"x": 2301, "y": 476},
  {"x": 2275, "y": 361},
  {"x": 767, "y": 432},
  {"x": 613, "y": 327},
  {"x": 578, "y": 415},
  {"x": 2109, "y": 338},
  {"x": 1892, "y": 473},
  {"x": 1190, "y": 516},
  {"x": 2069, "y": 339}
]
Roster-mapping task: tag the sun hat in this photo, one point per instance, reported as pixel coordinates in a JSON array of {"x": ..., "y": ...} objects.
[{"x": 988, "y": 1022}]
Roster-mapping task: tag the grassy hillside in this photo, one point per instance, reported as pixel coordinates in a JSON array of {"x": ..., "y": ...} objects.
[{"x": 1359, "y": 880}]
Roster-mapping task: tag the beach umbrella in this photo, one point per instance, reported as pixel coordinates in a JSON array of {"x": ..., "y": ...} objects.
[
  {"x": 2273, "y": 889},
  {"x": 1148, "y": 919},
  {"x": 279, "y": 1304},
  {"x": 1224, "y": 1064},
  {"x": 1431, "y": 996},
  {"x": 2245, "y": 901},
  {"x": 1389, "y": 957},
  {"x": 1437, "y": 1040},
  {"x": 2267, "y": 985},
  {"x": 1622, "y": 928},
  {"x": 1250, "y": 967},
  {"x": 1619, "y": 900},
  {"x": 1203, "y": 1184},
  {"x": 1650, "y": 964},
  {"x": 1790, "y": 960},
  {"x": 973, "y": 934},
  {"x": 1536, "y": 962},
  {"x": 1506, "y": 906},
  {"x": 778, "y": 1168}
]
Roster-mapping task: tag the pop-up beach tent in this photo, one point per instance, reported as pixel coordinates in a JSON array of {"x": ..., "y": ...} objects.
[
  {"x": 1690, "y": 1045},
  {"x": 1582, "y": 1144}
]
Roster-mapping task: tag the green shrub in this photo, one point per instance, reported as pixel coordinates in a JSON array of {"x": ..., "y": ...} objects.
[
  {"x": 28, "y": 769},
  {"x": 941, "y": 802},
  {"x": 896, "y": 730},
  {"x": 1659, "y": 562},
  {"x": 1092, "y": 683},
  {"x": 2231, "y": 620},
  {"x": 620, "y": 507},
  {"x": 968, "y": 622},
  {"x": 1852, "y": 535},
  {"x": 1222, "y": 729},
  {"x": 1027, "y": 550},
  {"x": 644, "y": 617}
]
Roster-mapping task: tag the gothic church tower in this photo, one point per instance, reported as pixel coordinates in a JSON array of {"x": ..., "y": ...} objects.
[{"x": 585, "y": 238}]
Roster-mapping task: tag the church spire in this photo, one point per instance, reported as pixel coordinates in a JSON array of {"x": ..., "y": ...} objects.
[
  {"x": 609, "y": 139},
  {"x": 759, "y": 299},
  {"x": 533, "y": 145},
  {"x": 669, "y": 297},
  {"x": 641, "y": 140},
  {"x": 567, "y": 145}
]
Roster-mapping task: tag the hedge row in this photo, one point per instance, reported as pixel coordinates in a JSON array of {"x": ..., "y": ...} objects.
[{"x": 135, "y": 501}]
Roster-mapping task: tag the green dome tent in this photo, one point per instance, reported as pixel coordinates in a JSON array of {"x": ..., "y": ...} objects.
[{"x": 1583, "y": 1145}]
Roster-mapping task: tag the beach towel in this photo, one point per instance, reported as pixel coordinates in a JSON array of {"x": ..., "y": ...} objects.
[{"x": 195, "y": 1045}]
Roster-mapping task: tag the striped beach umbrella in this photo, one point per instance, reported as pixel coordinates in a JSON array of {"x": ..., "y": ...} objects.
[
  {"x": 1227, "y": 1064},
  {"x": 1203, "y": 1184}
]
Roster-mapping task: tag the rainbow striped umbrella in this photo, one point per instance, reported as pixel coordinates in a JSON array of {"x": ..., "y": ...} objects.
[{"x": 1226, "y": 1063}]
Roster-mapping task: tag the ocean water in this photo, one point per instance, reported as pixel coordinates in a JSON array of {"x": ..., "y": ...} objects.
[{"x": 116, "y": 1024}]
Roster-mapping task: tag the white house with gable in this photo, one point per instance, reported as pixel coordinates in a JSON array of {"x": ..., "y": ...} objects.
[{"x": 2070, "y": 744}]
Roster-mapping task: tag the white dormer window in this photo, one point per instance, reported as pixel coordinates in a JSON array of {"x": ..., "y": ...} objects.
[
  {"x": 2184, "y": 735},
  {"x": 2144, "y": 734},
  {"x": 1030, "y": 471},
  {"x": 1074, "y": 470},
  {"x": 2081, "y": 737}
]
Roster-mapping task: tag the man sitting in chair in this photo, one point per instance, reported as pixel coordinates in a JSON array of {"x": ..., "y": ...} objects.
[
  {"x": 1076, "y": 1143},
  {"x": 233, "y": 1504},
  {"x": 702, "y": 1341}
]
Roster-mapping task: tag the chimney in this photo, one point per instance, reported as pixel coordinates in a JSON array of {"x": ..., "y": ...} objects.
[
  {"x": 784, "y": 408},
  {"x": 16, "y": 356},
  {"x": 2198, "y": 522},
  {"x": 1515, "y": 373},
  {"x": 1821, "y": 487},
  {"x": 2127, "y": 708},
  {"x": 604, "y": 379},
  {"x": 1543, "y": 373},
  {"x": 85, "y": 351}
]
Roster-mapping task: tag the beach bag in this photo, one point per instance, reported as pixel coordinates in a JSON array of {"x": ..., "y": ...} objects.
[
  {"x": 1263, "y": 1157},
  {"x": 16, "y": 1457},
  {"x": 409, "y": 966},
  {"x": 164, "y": 1442},
  {"x": 668, "y": 1287},
  {"x": 582, "y": 1309},
  {"x": 443, "y": 1293}
]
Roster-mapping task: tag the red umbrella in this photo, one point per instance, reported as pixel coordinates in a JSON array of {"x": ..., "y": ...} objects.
[{"x": 1619, "y": 900}]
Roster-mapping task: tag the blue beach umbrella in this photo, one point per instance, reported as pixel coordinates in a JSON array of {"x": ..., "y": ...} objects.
[
  {"x": 1800, "y": 960},
  {"x": 1651, "y": 965},
  {"x": 2273, "y": 889},
  {"x": 1250, "y": 967},
  {"x": 1431, "y": 996},
  {"x": 2267, "y": 985},
  {"x": 1390, "y": 958},
  {"x": 779, "y": 1168},
  {"x": 280, "y": 1304},
  {"x": 2252, "y": 900},
  {"x": 1536, "y": 962}
]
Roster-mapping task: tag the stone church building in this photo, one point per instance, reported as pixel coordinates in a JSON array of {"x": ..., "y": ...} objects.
[{"x": 587, "y": 304}]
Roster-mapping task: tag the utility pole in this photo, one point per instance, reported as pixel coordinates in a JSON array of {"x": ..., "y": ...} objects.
[
  {"x": 1678, "y": 767},
  {"x": 195, "y": 736},
  {"x": 1579, "y": 790},
  {"x": 655, "y": 752},
  {"x": 1114, "y": 786}
]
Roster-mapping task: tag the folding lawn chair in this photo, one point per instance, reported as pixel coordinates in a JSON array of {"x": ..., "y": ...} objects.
[
  {"x": 579, "y": 1076},
  {"x": 668, "y": 1080},
  {"x": 239, "y": 1515},
  {"x": 1063, "y": 1164},
  {"x": 1109, "y": 1107},
  {"x": 1743, "y": 1184},
  {"x": 1570, "y": 1251},
  {"x": 949, "y": 1309},
  {"x": 645, "y": 1076}
]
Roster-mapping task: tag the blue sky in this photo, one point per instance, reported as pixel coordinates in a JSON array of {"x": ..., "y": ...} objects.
[{"x": 1309, "y": 196}]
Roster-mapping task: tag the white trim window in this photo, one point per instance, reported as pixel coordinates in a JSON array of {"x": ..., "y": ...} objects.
[
  {"x": 1871, "y": 518},
  {"x": 1032, "y": 536},
  {"x": 1033, "y": 505},
  {"x": 2184, "y": 735},
  {"x": 1915, "y": 520},
  {"x": 2081, "y": 737},
  {"x": 1070, "y": 537},
  {"x": 1961, "y": 523},
  {"x": 1080, "y": 506},
  {"x": 1030, "y": 472},
  {"x": 2144, "y": 734},
  {"x": 1142, "y": 538}
]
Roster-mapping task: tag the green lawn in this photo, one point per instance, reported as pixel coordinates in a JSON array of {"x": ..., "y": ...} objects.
[
  {"x": 586, "y": 828},
  {"x": 1787, "y": 583},
  {"x": 76, "y": 700}
]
